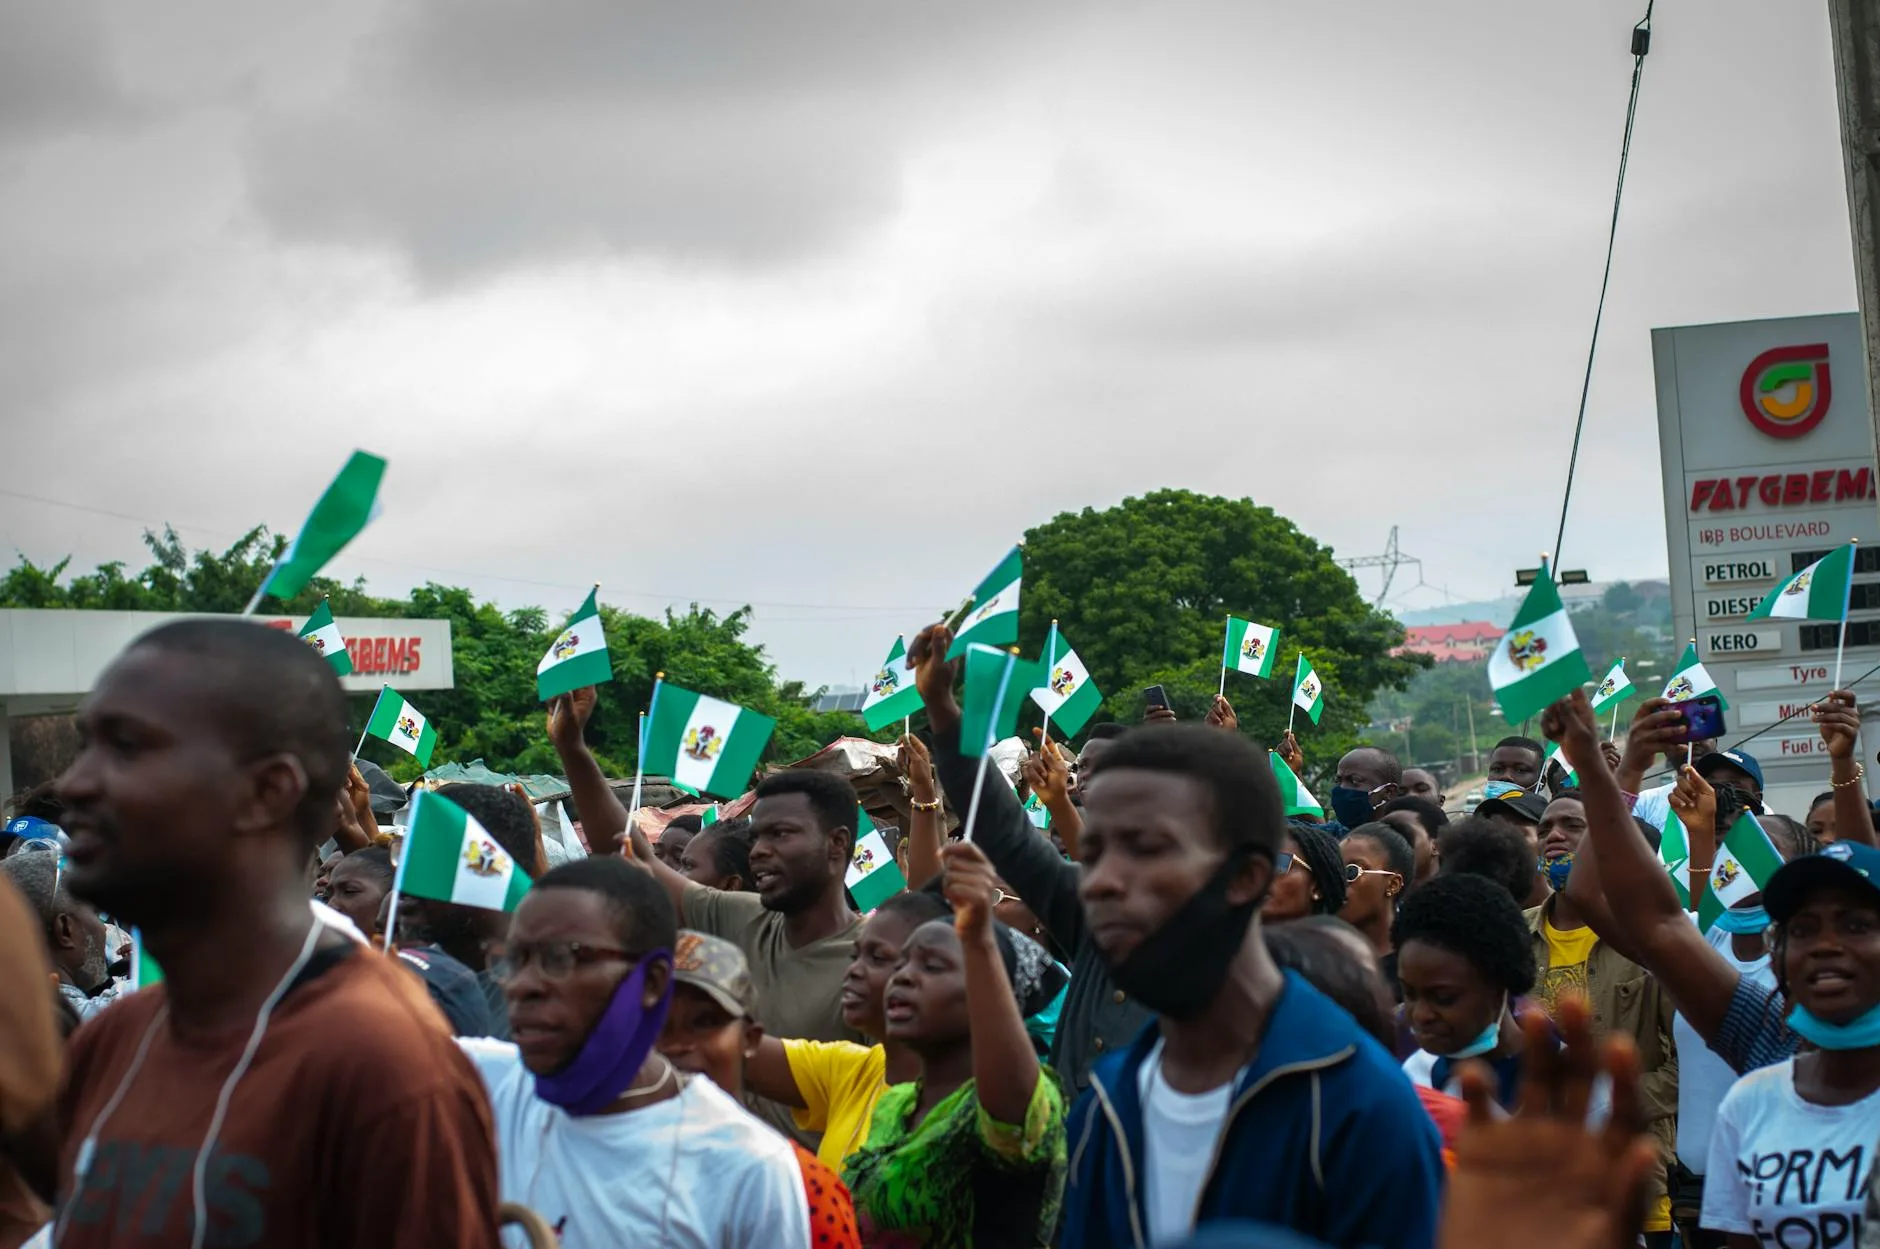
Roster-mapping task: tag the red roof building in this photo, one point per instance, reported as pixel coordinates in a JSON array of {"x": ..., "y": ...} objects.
[{"x": 1470, "y": 642}]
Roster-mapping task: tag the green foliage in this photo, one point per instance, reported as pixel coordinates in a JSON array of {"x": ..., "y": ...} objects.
[
  {"x": 1143, "y": 591},
  {"x": 493, "y": 713}
]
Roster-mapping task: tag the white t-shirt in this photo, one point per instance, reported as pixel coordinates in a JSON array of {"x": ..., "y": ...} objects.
[
  {"x": 1420, "y": 1067},
  {"x": 696, "y": 1171},
  {"x": 1787, "y": 1171},
  {"x": 1703, "y": 1077},
  {"x": 1179, "y": 1133},
  {"x": 1654, "y": 807}
]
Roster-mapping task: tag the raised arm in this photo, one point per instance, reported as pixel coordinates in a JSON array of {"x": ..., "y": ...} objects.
[
  {"x": 926, "y": 827},
  {"x": 602, "y": 815},
  {"x": 1044, "y": 881},
  {"x": 767, "y": 1073},
  {"x": 1838, "y": 715},
  {"x": 1648, "y": 922},
  {"x": 1050, "y": 779},
  {"x": 1005, "y": 1066}
]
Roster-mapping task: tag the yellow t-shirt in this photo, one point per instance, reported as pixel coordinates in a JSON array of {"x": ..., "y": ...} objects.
[
  {"x": 840, "y": 1083},
  {"x": 1567, "y": 952}
]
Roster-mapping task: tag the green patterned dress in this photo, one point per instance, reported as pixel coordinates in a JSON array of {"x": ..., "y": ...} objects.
[{"x": 958, "y": 1179}]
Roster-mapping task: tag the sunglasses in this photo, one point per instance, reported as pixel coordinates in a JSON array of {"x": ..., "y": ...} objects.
[{"x": 1283, "y": 863}]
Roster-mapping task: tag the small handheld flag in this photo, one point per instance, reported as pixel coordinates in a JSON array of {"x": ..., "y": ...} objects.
[
  {"x": 1250, "y": 647},
  {"x": 1614, "y": 687},
  {"x": 993, "y": 617},
  {"x": 1037, "y": 812},
  {"x": 396, "y": 721},
  {"x": 892, "y": 694},
  {"x": 578, "y": 656},
  {"x": 323, "y": 635},
  {"x": 1292, "y": 791},
  {"x": 347, "y": 506},
  {"x": 449, "y": 857},
  {"x": 1817, "y": 592},
  {"x": 1674, "y": 855},
  {"x": 1692, "y": 679},
  {"x": 702, "y": 742},
  {"x": 1068, "y": 695},
  {"x": 873, "y": 876},
  {"x": 1308, "y": 692},
  {"x": 1538, "y": 660},
  {"x": 1745, "y": 862},
  {"x": 995, "y": 684}
]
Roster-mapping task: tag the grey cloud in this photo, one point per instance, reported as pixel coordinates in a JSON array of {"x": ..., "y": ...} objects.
[
  {"x": 55, "y": 72},
  {"x": 475, "y": 137}
]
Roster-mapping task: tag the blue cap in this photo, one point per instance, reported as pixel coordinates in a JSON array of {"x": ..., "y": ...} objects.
[
  {"x": 32, "y": 828},
  {"x": 1843, "y": 863},
  {"x": 1741, "y": 760}
]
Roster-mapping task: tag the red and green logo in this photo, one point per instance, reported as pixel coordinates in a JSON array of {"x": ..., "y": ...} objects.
[{"x": 1786, "y": 390}]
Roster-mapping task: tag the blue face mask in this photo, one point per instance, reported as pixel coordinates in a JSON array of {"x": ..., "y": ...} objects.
[
  {"x": 1744, "y": 919},
  {"x": 1557, "y": 872},
  {"x": 1495, "y": 789},
  {"x": 1351, "y": 807},
  {"x": 1863, "y": 1033},
  {"x": 1486, "y": 1039}
]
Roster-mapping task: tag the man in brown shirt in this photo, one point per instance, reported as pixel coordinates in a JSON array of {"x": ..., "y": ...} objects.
[{"x": 282, "y": 1086}]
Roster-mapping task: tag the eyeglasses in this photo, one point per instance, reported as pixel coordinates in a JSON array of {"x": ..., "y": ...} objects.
[
  {"x": 556, "y": 959},
  {"x": 1282, "y": 863},
  {"x": 1353, "y": 873}
]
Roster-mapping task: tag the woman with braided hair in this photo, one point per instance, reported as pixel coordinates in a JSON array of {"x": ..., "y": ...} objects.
[{"x": 1308, "y": 875}]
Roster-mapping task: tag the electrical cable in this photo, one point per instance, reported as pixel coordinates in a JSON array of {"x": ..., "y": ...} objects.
[{"x": 1641, "y": 45}]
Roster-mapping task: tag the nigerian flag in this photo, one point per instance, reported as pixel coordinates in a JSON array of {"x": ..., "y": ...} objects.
[
  {"x": 1691, "y": 679},
  {"x": 708, "y": 817},
  {"x": 1250, "y": 647},
  {"x": 1297, "y": 799},
  {"x": 1538, "y": 661},
  {"x": 403, "y": 725},
  {"x": 1068, "y": 695},
  {"x": 873, "y": 876},
  {"x": 1616, "y": 686},
  {"x": 449, "y": 857},
  {"x": 1674, "y": 855},
  {"x": 891, "y": 692},
  {"x": 702, "y": 743},
  {"x": 1818, "y": 592},
  {"x": 993, "y": 618},
  {"x": 1037, "y": 812},
  {"x": 1308, "y": 693},
  {"x": 144, "y": 969},
  {"x": 1745, "y": 862},
  {"x": 1553, "y": 754},
  {"x": 578, "y": 657},
  {"x": 347, "y": 506},
  {"x": 996, "y": 682},
  {"x": 323, "y": 635}
]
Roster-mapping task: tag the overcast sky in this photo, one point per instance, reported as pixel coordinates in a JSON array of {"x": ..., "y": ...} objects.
[{"x": 818, "y": 306}]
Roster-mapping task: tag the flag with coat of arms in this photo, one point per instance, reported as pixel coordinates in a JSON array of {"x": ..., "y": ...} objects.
[
  {"x": 873, "y": 876},
  {"x": 396, "y": 721},
  {"x": 1538, "y": 661},
  {"x": 322, "y": 634},
  {"x": 1069, "y": 697},
  {"x": 448, "y": 856},
  {"x": 1250, "y": 647},
  {"x": 577, "y": 658},
  {"x": 704, "y": 744},
  {"x": 892, "y": 694},
  {"x": 1692, "y": 680}
]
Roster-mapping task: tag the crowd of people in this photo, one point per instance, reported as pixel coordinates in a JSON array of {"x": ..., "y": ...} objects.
[{"x": 1172, "y": 1016}]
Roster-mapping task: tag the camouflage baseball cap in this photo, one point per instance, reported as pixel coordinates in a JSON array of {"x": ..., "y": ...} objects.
[{"x": 716, "y": 966}]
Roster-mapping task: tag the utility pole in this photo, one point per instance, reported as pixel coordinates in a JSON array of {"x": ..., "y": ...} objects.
[
  {"x": 1475, "y": 751},
  {"x": 1855, "y": 27}
]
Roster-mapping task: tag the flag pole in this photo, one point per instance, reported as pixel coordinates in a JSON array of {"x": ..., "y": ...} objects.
[
  {"x": 985, "y": 751},
  {"x": 1613, "y": 736},
  {"x": 639, "y": 768},
  {"x": 1226, "y": 633},
  {"x": 261, "y": 591},
  {"x": 398, "y": 882},
  {"x": 368, "y": 728},
  {"x": 1847, "y": 602},
  {"x": 1292, "y": 710},
  {"x": 1050, "y": 662}
]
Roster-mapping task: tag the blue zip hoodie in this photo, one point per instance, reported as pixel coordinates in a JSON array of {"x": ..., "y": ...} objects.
[{"x": 1323, "y": 1135}]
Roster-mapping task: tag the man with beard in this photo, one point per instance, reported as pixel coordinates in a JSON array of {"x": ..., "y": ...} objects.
[
  {"x": 282, "y": 1085},
  {"x": 1253, "y": 1096},
  {"x": 75, "y": 935}
]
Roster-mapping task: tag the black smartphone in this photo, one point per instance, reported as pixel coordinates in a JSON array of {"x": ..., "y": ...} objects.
[
  {"x": 1155, "y": 696},
  {"x": 1703, "y": 718}
]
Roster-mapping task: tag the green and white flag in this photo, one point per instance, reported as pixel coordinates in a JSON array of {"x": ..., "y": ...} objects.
[
  {"x": 996, "y": 682},
  {"x": 1554, "y": 753},
  {"x": 144, "y": 969},
  {"x": 1745, "y": 862},
  {"x": 449, "y": 857},
  {"x": 1037, "y": 812},
  {"x": 1250, "y": 647},
  {"x": 1068, "y": 696},
  {"x": 704, "y": 743},
  {"x": 348, "y": 505},
  {"x": 1674, "y": 855},
  {"x": 873, "y": 876},
  {"x": 1616, "y": 686},
  {"x": 1818, "y": 592},
  {"x": 1538, "y": 661},
  {"x": 1691, "y": 679},
  {"x": 323, "y": 635},
  {"x": 403, "y": 725},
  {"x": 1308, "y": 692},
  {"x": 892, "y": 694},
  {"x": 578, "y": 657},
  {"x": 1292, "y": 791},
  {"x": 993, "y": 618},
  {"x": 708, "y": 817}
]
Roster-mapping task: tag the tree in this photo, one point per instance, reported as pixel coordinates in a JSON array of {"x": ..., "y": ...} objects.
[{"x": 1143, "y": 591}]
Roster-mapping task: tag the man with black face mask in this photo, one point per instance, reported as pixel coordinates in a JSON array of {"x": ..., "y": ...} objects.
[
  {"x": 1368, "y": 777},
  {"x": 1253, "y": 1097}
]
